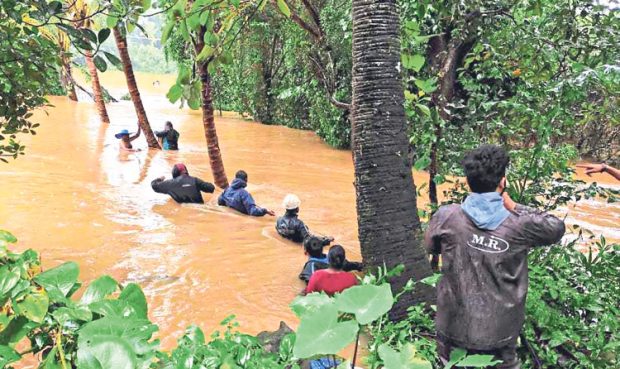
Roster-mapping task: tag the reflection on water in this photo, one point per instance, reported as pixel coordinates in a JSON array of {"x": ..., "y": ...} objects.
[{"x": 74, "y": 197}]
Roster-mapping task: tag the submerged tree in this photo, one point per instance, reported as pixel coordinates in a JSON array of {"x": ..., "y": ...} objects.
[{"x": 386, "y": 199}]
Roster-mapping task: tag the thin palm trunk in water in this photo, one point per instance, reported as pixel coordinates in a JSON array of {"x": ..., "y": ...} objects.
[
  {"x": 121, "y": 44},
  {"x": 213, "y": 146},
  {"x": 388, "y": 222},
  {"x": 97, "y": 92},
  {"x": 66, "y": 78}
]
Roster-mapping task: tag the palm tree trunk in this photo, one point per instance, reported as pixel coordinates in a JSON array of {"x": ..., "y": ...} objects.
[
  {"x": 213, "y": 146},
  {"x": 97, "y": 92},
  {"x": 66, "y": 78},
  {"x": 388, "y": 222},
  {"x": 121, "y": 44}
]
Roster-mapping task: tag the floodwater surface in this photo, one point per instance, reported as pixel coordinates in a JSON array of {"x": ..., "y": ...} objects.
[{"x": 75, "y": 197}]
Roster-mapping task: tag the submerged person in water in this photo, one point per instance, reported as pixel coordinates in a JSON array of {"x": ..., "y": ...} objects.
[
  {"x": 484, "y": 244},
  {"x": 238, "y": 198},
  {"x": 183, "y": 188},
  {"x": 334, "y": 279},
  {"x": 169, "y": 137},
  {"x": 317, "y": 260},
  {"x": 126, "y": 139},
  {"x": 290, "y": 226}
]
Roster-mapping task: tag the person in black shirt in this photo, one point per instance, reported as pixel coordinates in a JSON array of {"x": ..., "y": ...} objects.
[
  {"x": 291, "y": 227},
  {"x": 169, "y": 136},
  {"x": 183, "y": 188}
]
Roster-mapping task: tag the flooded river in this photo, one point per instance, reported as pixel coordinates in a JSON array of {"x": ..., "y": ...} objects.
[{"x": 74, "y": 197}]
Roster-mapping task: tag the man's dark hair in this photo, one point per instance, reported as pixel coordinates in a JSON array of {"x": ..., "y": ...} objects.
[
  {"x": 313, "y": 246},
  {"x": 169, "y": 123},
  {"x": 484, "y": 167},
  {"x": 336, "y": 257},
  {"x": 241, "y": 174}
]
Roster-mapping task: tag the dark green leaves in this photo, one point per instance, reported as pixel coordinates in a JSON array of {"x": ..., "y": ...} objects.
[
  {"x": 100, "y": 63},
  {"x": 103, "y": 35},
  {"x": 114, "y": 60}
]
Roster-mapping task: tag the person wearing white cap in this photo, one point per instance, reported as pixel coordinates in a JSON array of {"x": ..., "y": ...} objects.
[{"x": 290, "y": 226}]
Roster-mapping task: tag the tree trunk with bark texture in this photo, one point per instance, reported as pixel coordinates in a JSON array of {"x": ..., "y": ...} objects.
[
  {"x": 66, "y": 78},
  {"x": 97, "y": 92},
  {"x": 389, "y": 227},
  {"x": 121, "y": 44},
  {"x": 208, "y": 122}
]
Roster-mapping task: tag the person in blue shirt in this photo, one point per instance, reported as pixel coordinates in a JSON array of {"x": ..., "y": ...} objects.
[
  {"x": 169, "y": 136},
  {"x": 238, "y": 198}
]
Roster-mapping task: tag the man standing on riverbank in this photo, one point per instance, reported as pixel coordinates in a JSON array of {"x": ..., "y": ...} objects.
[{"x": 484, "y": 244}]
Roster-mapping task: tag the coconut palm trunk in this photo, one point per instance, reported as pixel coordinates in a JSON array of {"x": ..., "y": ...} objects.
[
  {"x": 388, "y": 222},
  {"x": 121, "y": 44},
  {"x": 97, "y": 91},
  {"x": 66, "y": 78},
  {"x": 208, "y": 122}
]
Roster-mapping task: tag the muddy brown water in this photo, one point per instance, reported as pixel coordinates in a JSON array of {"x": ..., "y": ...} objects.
[{"x": 74, "y": 197}]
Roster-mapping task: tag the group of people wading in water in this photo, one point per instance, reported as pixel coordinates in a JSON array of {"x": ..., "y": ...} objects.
[{"x": 483, "y": 243}]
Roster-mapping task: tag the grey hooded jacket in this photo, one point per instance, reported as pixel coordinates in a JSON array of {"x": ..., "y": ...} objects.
[{"x": 481, "y": 295}]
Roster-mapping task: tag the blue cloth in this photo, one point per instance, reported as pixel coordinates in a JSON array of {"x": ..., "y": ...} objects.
[
  {"x": 166, "y": 145},
  {"x": 324, "y": 363},
  {"x": 122, "y": 133},
  {"x": 238, "y": 198},
  {"x": 486, "y": 210}
]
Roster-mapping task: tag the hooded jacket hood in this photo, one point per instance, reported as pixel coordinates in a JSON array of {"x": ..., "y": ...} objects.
[
  {"x": 486, "y": 210},
  {"x": 238, "y": 183}
]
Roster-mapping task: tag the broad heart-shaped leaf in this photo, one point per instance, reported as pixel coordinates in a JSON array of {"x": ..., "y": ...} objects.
[
  {"x": 320, "y": 333},
  {"x": 34, "y": 306},
  {"x": 106, "y": 352},
  {"x": 76, "y": 313},
  {"x": 367, "y": 302},
  {"x": 99, "y": 289},
  {"x": 132, "y": 293},
  {"x": 405, "y": 359},
  {"x": 59, "y": 281},
  {"x": 7, "y": 356},
  {"x": 284, "y": 8},
  {"x": 7, "y": 236},
  {"x": 136, "y": 332},
  {"x": 477, "y": 361},
  {"x": 427, "y": 85},
  {"x": 302, "y": 305}
]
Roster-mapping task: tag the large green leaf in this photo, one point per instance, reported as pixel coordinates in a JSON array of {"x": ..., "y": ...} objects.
[
  {"x": 8, "y": 280},
  {"x": 59, "y": 281},
  {"x": 100, "y": 63},
  {"x": 136, "y": 332},
  {"x": 17, "y": 329},
  {"x": 114, "y": 60},
  {"x": 106, "y": 352},
  {"x": 75, "y": 313},
  {"x": 477, "y": 361},
  {"x": 367, "y": 302},
  {"x": 34, "y": 306},
  {"x": 284, "y": 8},
  {"x": 7, "y": 356},
  {"x": 427, "y": 85},
  {"x": 302, "y": 305},
  {"x": 132, "y": 293},
  {"x": 103, "y": 35},
  {"x": 99, "y": 289},
  {"x": 175, "y": 93},
  {"x": 320, "y": 333},
  {"x": 7, "y": 236},
  {"x": 414, "y": 62},
  {"x": 165, "y": 33},
  {"x": 405, "y": 359},
  {"x": 206, "y": 52}
]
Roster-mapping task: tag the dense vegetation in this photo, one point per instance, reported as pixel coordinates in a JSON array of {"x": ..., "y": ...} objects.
[{"x": 572, "y": 321}]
